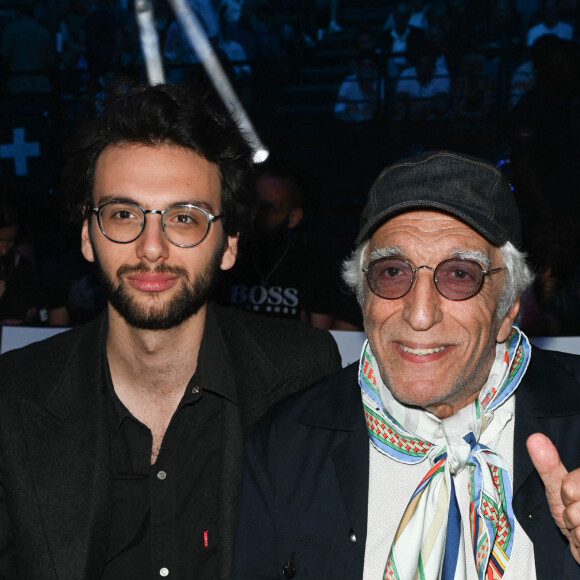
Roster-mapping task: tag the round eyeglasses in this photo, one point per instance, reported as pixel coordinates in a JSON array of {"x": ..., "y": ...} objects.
[
  {"x": 455, "y": 279},
  {"x": 184, "y": 225}
]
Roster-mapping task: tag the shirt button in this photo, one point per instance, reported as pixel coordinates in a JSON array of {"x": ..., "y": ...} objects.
[
  {"x": 162, "y": 475},
  {"x": 352, "y": 535},
  {"x": 164, "y": 572},
  {"x": 195, "y": 390}
]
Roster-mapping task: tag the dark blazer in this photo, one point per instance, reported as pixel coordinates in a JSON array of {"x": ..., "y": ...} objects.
[
  {"x": 55, "y": 464},
  {"x": 305, "y": 485}
]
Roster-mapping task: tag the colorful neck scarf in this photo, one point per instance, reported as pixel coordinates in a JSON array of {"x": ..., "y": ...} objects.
[{"x": 429, "y": 544}]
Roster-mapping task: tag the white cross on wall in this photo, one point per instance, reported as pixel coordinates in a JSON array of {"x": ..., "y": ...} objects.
[{"x": 20, "y": 150}]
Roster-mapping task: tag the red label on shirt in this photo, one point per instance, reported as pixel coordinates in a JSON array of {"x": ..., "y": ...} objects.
[{"x": 205, "y": 540}]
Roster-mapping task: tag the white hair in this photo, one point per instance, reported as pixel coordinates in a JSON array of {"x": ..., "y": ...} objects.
[{"x": 519, "y": 276}]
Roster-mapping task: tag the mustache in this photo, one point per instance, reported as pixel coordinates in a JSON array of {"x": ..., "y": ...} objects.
[{"x": 144, "y": 269}]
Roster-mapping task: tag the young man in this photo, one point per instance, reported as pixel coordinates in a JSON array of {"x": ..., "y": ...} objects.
[
  {"x": 413, "y": 463},
  {"x": 120, "y": 441}
]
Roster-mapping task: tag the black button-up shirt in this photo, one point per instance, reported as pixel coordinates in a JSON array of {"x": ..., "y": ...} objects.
[{"x": 165, "y": 516}]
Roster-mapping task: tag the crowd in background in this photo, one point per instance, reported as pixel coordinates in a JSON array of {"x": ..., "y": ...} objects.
[{"x": 496, "y": 78}]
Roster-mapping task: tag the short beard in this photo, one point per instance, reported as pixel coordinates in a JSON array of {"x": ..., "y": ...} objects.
[{"x": 184, "y": 304}]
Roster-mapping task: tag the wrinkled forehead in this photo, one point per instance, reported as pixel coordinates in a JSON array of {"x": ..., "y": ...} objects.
[{"x": 429, "y": 233}]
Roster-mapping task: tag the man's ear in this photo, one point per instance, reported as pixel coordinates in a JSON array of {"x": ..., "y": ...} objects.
[
  {"x": 507, "y": 322},
  {"x": 295, "y": 217},
  {"x": 230, "y": 252},
  {"x": 86, "y": 245}
]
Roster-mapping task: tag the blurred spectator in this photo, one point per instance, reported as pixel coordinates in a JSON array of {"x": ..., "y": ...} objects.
[
  {"x": 464, "y": 18},
  {"x": 523, "y": 81},
  {"x": 207, "y": 15},
  {"x": 544, "y": 135},
  {"x": 419, "y": 9},
  {"x": 438, "y": 34},
  {"x": 501, "y": 30},
  {"x": 423, "y": 91},
  {"x": 177, "y": 53},
  {"x": 552, "y": 307},
  {"x": 237, "y": 65},
  {"x": 361, "y": 94},
  {"x": 130, "y": 49},
  {"x": 527, "y": 8},
  {"x": 366, "y": 39},
  {"x": 544, "y": 139},
  {"x": 278, "y": 273},
  {"x": 234, "y": 26},
  {"x": 333, "y": 25},
  {"x": 418, "y": 18},
  {"x": 312, "y": 19},
  {"x": 237, "y": 57},
  {"x": 400, "y": 42},
  {"x": 473, "y": 89},
  {"x": 71, "y": 40},
  {"x": 72, "y": 289},
  {"x": 271, "y": 28},
  {"x": 323, "y": 14},
  {"x": 550, "y": 23},
  {"x": 185, "y": 64},
  {"x": 570, "y": 12},
  {"x": 482, "y": 76},
  {"x": 231, "y": 11},
  {"x": 28, "y": 53},
  {"x": 184, "y": 61},
  {"x": 19, "y": 287}
]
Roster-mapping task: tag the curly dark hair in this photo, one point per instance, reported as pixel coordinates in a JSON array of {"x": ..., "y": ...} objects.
[{"x": 164, "y": 114}]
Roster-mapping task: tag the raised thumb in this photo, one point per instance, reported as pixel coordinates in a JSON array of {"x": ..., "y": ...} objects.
[{"x": 546, "y": 460}]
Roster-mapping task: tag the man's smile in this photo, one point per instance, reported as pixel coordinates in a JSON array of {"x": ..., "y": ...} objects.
[{"x": 422, "y": 351}]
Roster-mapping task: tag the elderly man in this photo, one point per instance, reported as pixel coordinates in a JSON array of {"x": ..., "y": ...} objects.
[
  {"x": 121, "y": 440},
  {"x": 413, "y": 463}
]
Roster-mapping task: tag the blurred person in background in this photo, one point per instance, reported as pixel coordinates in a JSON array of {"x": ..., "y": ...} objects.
[
  {"x": 19, "y": 286},
  {"x": 28, "y": 52}
]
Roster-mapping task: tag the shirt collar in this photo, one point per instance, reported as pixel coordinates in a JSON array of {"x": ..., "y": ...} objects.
[
  {"x": 216, "y": 373},
  {"x": 213, "y": 373}
]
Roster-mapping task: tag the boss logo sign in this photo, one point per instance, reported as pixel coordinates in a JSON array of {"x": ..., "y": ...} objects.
[{"x": 264, "y": 298}]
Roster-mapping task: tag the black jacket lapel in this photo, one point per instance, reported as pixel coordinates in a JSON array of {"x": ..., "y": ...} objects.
[{"x": 67, "y": 442}]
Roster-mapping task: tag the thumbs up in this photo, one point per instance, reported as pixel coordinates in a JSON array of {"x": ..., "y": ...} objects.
[{"x": 562, "y": 488}]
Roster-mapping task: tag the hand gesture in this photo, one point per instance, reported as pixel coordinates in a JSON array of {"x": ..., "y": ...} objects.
[{"x": 562, "y": 488}]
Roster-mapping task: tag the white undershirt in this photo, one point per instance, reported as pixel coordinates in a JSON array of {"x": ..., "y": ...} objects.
[{"x": 391, "y": 485}]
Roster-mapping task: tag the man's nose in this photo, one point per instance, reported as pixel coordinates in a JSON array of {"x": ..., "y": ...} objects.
[
  {"x": 152, "y": 245},
  {"x": 423, "y": 302}
]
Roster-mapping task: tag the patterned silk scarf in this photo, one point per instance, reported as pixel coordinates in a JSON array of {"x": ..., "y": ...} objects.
[{"x": 429, "y": 542}]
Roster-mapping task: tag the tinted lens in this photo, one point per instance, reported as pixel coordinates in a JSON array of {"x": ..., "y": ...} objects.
[
  {"x": 390, "y": 277},
  {"x": 458, "y": 279},
  {"x": 121, "y": 222},
  {"x": 185, "y": 225}
]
